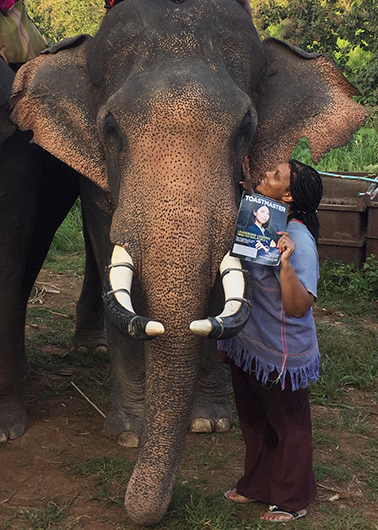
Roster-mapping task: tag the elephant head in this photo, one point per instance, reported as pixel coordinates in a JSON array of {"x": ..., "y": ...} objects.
[{"x": 160, "y": 108}]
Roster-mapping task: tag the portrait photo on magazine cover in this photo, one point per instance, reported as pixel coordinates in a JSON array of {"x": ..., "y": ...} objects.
[{"x": 259, "y": 220}]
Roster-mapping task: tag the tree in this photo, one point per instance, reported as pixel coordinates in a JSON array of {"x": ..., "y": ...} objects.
[{"x": 346, "y": 31}]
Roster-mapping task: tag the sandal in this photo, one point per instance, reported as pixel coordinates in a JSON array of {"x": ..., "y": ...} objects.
[
  {"x": 276, "y": 510},
  {"x": 232, "y": 495}
]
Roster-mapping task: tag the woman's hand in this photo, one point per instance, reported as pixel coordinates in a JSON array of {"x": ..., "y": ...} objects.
[
  {"x": 246, "y": 184},
  {"x": 286, "y": 247}
]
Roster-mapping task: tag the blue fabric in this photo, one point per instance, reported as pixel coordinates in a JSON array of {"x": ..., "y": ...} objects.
[{"x": 273, "y": 339}]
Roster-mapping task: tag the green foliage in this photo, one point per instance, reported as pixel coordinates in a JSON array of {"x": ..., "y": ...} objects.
[
  {"x": 359, "y": 154},
  {"x": 69, "y": 238},
  {"x": 311, "y": 24},
  {"x": 67, "y": 248},
  {"x": 337, "y": 278},
  {"x": 330, "y": 27},
  {"x": 58, "y": 19}
]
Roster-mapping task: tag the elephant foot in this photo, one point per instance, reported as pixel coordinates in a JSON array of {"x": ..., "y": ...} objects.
[
  {"x": 13, "y": 420},
  {"x": 125, "y": 429},
  {"x": 85, "y": 342},
  {"x": 203, "y": 425},
  {"x": 207, "y": 417}
]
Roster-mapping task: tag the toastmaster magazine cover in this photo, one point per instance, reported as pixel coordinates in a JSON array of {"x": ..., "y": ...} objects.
[{"x": 259, "y": 220}]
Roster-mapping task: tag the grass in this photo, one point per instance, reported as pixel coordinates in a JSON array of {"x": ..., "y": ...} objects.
[
  {"x": 344, "y": 362},
  {"x": 67, "y": 248},
  {"x": 109, "y": 474},
  {"x": 47, "y": 517}
]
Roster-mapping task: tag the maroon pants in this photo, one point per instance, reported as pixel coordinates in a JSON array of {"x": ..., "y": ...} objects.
[{"x": 276, "y": 427}]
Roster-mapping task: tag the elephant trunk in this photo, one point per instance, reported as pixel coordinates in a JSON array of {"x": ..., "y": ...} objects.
[
  {"x": 176, "y": 276},
  {"x": 168, "y": 402}
]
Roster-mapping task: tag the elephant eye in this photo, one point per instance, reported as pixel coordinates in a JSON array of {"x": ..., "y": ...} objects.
[
  {"x": 245, "y": 131},
  {"x": 112, "y": 131}
]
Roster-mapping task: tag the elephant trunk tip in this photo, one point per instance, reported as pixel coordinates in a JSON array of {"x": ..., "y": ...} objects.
[{"x": 141, "y": 514}]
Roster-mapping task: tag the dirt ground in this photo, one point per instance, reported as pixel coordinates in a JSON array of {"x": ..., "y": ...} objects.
[{"x": 35, "y": 482}]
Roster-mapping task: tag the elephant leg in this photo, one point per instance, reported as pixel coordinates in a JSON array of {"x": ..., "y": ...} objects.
[
  {"x": 34, "y": 199},
  {"x": 211, "y": 410},
  {"x": 124, "y": 422},
  {"x": 90, "y": 334}
]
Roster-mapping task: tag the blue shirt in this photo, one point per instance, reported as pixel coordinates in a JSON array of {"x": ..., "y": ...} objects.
[{"x": 272, "y": 339}]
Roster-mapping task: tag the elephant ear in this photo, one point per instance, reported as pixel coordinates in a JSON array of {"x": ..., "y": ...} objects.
[
  {"x": 6, "y": 80},
  {"x": 53, "y": 97},
  {"x": 303, "y": 94},
  {"x": 246, "y": 5}
]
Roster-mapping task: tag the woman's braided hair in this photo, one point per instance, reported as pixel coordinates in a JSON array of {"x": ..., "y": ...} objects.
[{"x": 306, "y": 189}]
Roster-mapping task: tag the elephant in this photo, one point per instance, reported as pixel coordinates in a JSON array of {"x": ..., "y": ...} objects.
[
  {"x": 158, "y": 110},
  {"x": 36, "y": 192}
]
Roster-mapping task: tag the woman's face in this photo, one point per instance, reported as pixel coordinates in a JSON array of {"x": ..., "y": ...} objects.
[
  {"x": 262, "y": 215},
  {"x": 275, "y": 183}
]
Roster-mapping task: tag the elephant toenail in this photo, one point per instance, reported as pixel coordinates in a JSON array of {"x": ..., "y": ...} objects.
[
  {"x": 222, "y": 425},
  {"x": 129, "y": 439},
  {"x": 16, "y": 431},
  {"x": 200, "y": 425}
]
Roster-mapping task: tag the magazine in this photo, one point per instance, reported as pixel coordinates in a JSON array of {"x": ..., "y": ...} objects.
[{"x": 259, "y": 220}]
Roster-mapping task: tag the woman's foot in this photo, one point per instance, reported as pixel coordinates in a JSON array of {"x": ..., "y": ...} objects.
[
  {"x": 278, "y": 515},
  {"x": 235, "y": 497}
]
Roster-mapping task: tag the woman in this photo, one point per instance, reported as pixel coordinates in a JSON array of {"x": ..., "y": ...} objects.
[
  {"x": 260, "y": 221},
  {"x": 276, "y": 356}
]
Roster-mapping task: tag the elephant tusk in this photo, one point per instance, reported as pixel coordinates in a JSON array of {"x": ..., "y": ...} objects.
[
  {"x": 238, "y": 294},
  {"x": 117, "y": 297}
]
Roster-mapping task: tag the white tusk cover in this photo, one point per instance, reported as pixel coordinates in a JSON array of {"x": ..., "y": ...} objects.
[
  {"x": 201, "y": 327},
  {"x": 154, "y": 328},
  {"x": 233, "y": 285},
  {"x": 121, "y": 277}
]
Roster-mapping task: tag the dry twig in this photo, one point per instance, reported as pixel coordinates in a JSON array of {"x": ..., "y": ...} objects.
[{"x": 89, "y": 401}]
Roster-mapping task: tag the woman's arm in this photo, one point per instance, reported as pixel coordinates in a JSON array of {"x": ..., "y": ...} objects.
[{"x": 295, "y": 297}]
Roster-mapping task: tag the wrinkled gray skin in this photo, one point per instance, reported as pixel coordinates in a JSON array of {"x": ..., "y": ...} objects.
[
  {"x": 160, "y": 108},
  {"x": 36, "y": 192}
]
